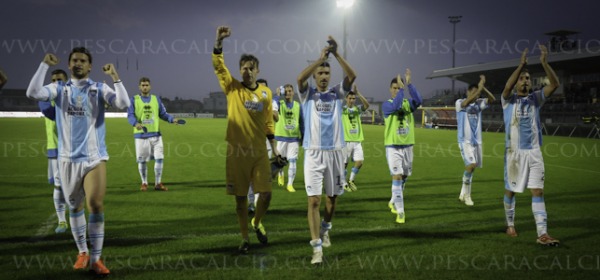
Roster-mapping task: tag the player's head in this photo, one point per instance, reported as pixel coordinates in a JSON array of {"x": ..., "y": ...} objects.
[
  {"x": 80, "y": 62},
  {"x": 144, "y": 85},
  {"x": 288, "y": 92},
  {"x": 472, "y": 89},
  {"x": 322, "y": 75},
  {"x": 59, "y": 75},
  {"x": 351, "y": 98},
  {"x": 262, "y": 82},
  {"x": 249, "y": 68},
  {"x": 394, "y": 87},
  {"x": 523, "y": 85}
]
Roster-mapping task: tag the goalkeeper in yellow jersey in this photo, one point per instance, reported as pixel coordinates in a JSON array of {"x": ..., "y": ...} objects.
[{"x": 249, "y": 121}]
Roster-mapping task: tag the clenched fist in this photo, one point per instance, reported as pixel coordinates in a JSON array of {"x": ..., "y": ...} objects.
[{"x": 51, "y": 59}]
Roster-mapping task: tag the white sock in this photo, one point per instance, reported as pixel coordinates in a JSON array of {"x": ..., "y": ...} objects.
[
  {"x": 59, "y": 204},
  {"x": 158, "y": 169},
  {"x": 353, "y": 173},
  {"x": 397, "y": 195},
  {"x": 251, "y": 195},
  {"x": 538, "y": 206},
  {"x": 325, "y": 227},
  {"x": 143, "y": 172},
  {"x": 79, "y": 229},
  {"x": 466, "y": 186},
  {"x": 292, "y": 172},
  {"x": 509, "y": 210},
  {"x": 96, "y": 226},
  {"x": 317, "y": 245}
]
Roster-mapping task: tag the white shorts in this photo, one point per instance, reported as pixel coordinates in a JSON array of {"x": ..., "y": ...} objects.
[
  {"x": 288, "y": 150},
  {"x": 324, "y": 169},
  {"x": 523, "y": 168},
  {"x": 399, "y": 160},
  {"x": 53, "y": 175},
  {"x": 354, "y": 150},
  {"x": 471, "y": 154},
  {"x": 147, "y": 149},
  {"x": 72, "y": 174}
]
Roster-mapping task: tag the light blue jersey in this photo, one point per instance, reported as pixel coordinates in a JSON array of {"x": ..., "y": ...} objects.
[
  {"x": 80, "y": 118},
  {"x": 322, "y": 112},
  {"x": 522, "y": 120},
  {"x": 469, "y": 121}
]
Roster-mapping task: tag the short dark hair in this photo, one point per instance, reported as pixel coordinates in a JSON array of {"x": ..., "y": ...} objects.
[
  {"x": 144, "y": 79},
  {"x": 325, "y": 64},
  {"x": 261, "y": 81},
  {"x": 524, "y": 70},
  {"x": 472, "y": 86},
  {"x": 82, "y": 50},
  {"x": 59, "y": 72},
  {"x": 248, "y": 57},
  {"x": 395, "y": 81},
  {"x": 288, "y": 85}
]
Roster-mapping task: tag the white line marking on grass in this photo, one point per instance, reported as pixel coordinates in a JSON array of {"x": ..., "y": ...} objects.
[
  {"x": 573, "y": 168},
  {"x": 43, "y": 230}
]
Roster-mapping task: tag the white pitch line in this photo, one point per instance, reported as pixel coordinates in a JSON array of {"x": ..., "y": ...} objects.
[{"x": 44, "y": 228}]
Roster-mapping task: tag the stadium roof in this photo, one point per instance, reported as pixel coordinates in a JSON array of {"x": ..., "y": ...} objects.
[{"x": 577, "y": 61}]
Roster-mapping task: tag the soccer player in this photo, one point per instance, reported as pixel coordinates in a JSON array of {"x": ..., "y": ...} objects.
[
  {"x": 288, "y": 134},
  {"x": 323, "y": 143},
  {"x": 143, "y": 114},
  {"x": 399, "y": 138},
  {"x": 252, "y": 198},
  {"x": 47, "y": 108},
  {"x": 353, "y": 134},
  {"x": 468, "y": 112},
  {"x": 249, "y": 121},
  {"x": 82, "y": 150},
  {"x": 523, "y": 161}
]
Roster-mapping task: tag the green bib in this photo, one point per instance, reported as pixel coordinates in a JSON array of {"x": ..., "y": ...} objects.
[
  {"x": 289, "y": 120},
  {"x": 352, "y": 125},
  {"x": 146, "y": 114},
  {"x": 400, "y": 126}
]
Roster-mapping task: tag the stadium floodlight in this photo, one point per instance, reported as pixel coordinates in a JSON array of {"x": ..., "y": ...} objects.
[{"x": 344, "y": 3}]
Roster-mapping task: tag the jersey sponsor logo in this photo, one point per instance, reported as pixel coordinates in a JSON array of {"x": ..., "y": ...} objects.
[
  {"x": 324, "y": 107},
  {"x": 76, "y": 111},
  {"x": 254, "y": 104},
  {"x": 402, "y": 131}
]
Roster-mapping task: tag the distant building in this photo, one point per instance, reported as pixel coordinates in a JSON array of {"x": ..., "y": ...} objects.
[{"x": 216, "y": 103}]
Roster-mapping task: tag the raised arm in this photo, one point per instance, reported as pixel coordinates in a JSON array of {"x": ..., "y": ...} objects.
[
  {"x": 121, "y": 99},
  {"x": 512, "y": 80},
  {"x": 554, "y": 83},
  {"x": 363, "y": 100},
  {"x": 490, "y": 96},
  {"x": 221, "y": 70},
  {"x": 473, "y": 97},
  {"x": 349, "y": 74},
  {"x": 35, "y": 90},
  {"x": 302, "y": 79}
]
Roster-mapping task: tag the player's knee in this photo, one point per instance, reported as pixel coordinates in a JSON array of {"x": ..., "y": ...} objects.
[
  {"x": 314, "y": 202},
  {"x": 265, "y": 196},
  {"x": 96, "y": 206},
  {"x": 358, "y": 164},
  {"x": 537, "y": 192}
]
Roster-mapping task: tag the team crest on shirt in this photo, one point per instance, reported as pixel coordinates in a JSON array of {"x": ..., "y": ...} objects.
[
  {"x": 93, "y": 92},
  {"x": 264, "y": 94}
]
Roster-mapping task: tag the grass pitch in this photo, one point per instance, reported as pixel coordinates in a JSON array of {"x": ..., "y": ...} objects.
[{"x": 191, "y": 231}]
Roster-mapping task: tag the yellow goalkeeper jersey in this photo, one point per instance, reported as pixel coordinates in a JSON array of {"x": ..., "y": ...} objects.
[{"x": 249, "y": 112}]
